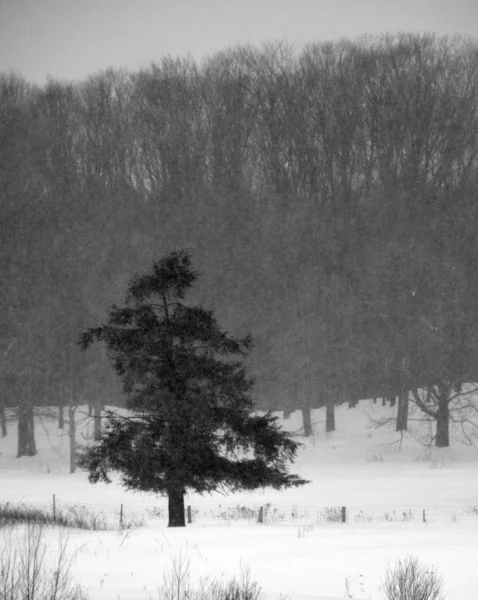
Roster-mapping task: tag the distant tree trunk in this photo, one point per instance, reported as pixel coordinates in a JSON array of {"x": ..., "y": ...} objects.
[
  {"x": 329, "y": 417},
  {"x": 287, "y": 412},
  {"x": 375, "y": 400},
  {"x": 443, "y": 435},
  {"x": 97, "y": 421},
  {"x": 392, "y": 399},
  {"x": 307, "y": 420},
  {"x": 402, "y": 414},
  {"x": 32, "y": 448},
  {"x": 176, "y": 507},
  {"x": 443, "y": 420},
  {"x": 3, "y": 416},
  {"x": 90, "y": 409},
  {"x": 26, "y": 430},
  {"x": 22, "y": 432},
  {"x": 61, "y": 414},
  {"x": 353, "y": 402},
  {"x": 72, "y": 434},
  {"x": 384, "y": 401}
]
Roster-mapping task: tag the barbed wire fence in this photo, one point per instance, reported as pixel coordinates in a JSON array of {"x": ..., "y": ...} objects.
[{"x": 268, "y": 514}]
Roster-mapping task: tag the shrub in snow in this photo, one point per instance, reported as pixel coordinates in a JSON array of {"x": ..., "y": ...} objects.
[
  {"x": 332, "y": 514},
  {"x": 27, "y": 570},
  {"x": 177, "y": 586},
  {"x": 76, "y": 517},
  {"x": 411, "y": 580}
]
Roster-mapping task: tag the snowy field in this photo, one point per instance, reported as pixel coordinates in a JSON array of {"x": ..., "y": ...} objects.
[{"x": 384, "y": 486}]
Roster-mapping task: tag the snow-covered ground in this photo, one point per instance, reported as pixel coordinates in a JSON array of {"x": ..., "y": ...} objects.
[{"x": 384, "y": 485}]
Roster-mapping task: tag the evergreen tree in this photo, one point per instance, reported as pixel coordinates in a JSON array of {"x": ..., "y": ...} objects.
[{"x": 191, "y": 425}]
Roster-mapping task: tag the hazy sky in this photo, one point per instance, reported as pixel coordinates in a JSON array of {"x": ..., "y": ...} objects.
[{"x": 69, "y": 39}]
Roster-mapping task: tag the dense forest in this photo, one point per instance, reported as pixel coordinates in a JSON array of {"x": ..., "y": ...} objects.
[{"x": 327, "y": 196}]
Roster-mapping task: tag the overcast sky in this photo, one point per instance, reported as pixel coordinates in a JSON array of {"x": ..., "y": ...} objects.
[{"x": 68, "y": 39}]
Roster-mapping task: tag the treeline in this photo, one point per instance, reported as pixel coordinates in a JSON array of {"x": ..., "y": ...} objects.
[{"x": 327, "y": 196}]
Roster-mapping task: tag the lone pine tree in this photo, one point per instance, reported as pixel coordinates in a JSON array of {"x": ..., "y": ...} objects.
[{"x": 191, "y": 425}]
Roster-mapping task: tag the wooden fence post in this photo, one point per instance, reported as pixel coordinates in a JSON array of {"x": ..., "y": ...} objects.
[
  {"x": 424, "y": 517},
  {"x": 261, "y": 515},
  {"x": 344, "y": 514},
  {"x": 190, "y": 514}
]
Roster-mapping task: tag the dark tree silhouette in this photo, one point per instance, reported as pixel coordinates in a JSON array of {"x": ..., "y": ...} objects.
[{"x": 191, "y": 425}]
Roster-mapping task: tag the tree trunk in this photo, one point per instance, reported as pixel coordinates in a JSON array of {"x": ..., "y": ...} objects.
[
  {"x": 392, "y": 399},
  {"x": 31, "y": 445},
  {"x": 3, "y": 416},
  {"x": 22, "y": 432},
  {"x": 176, "y": 508},
  {"x": 402, "y": 414},
  {"x": 329, "y": 417},
  {"x": 384, "y": 401},
  {"x": 61, "y": 414},
  {"x": 307, "y": 420},
  {"x": 353, "y": 402},
  {"x": 287, "y": 413},
  {"x": 97, "y": 421},
  {"x": 443, "y": 421},
  {"x": 443, "y": 435},
  {"x": 72, "y": 434},
  {"x": 26, "y": 430}
]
